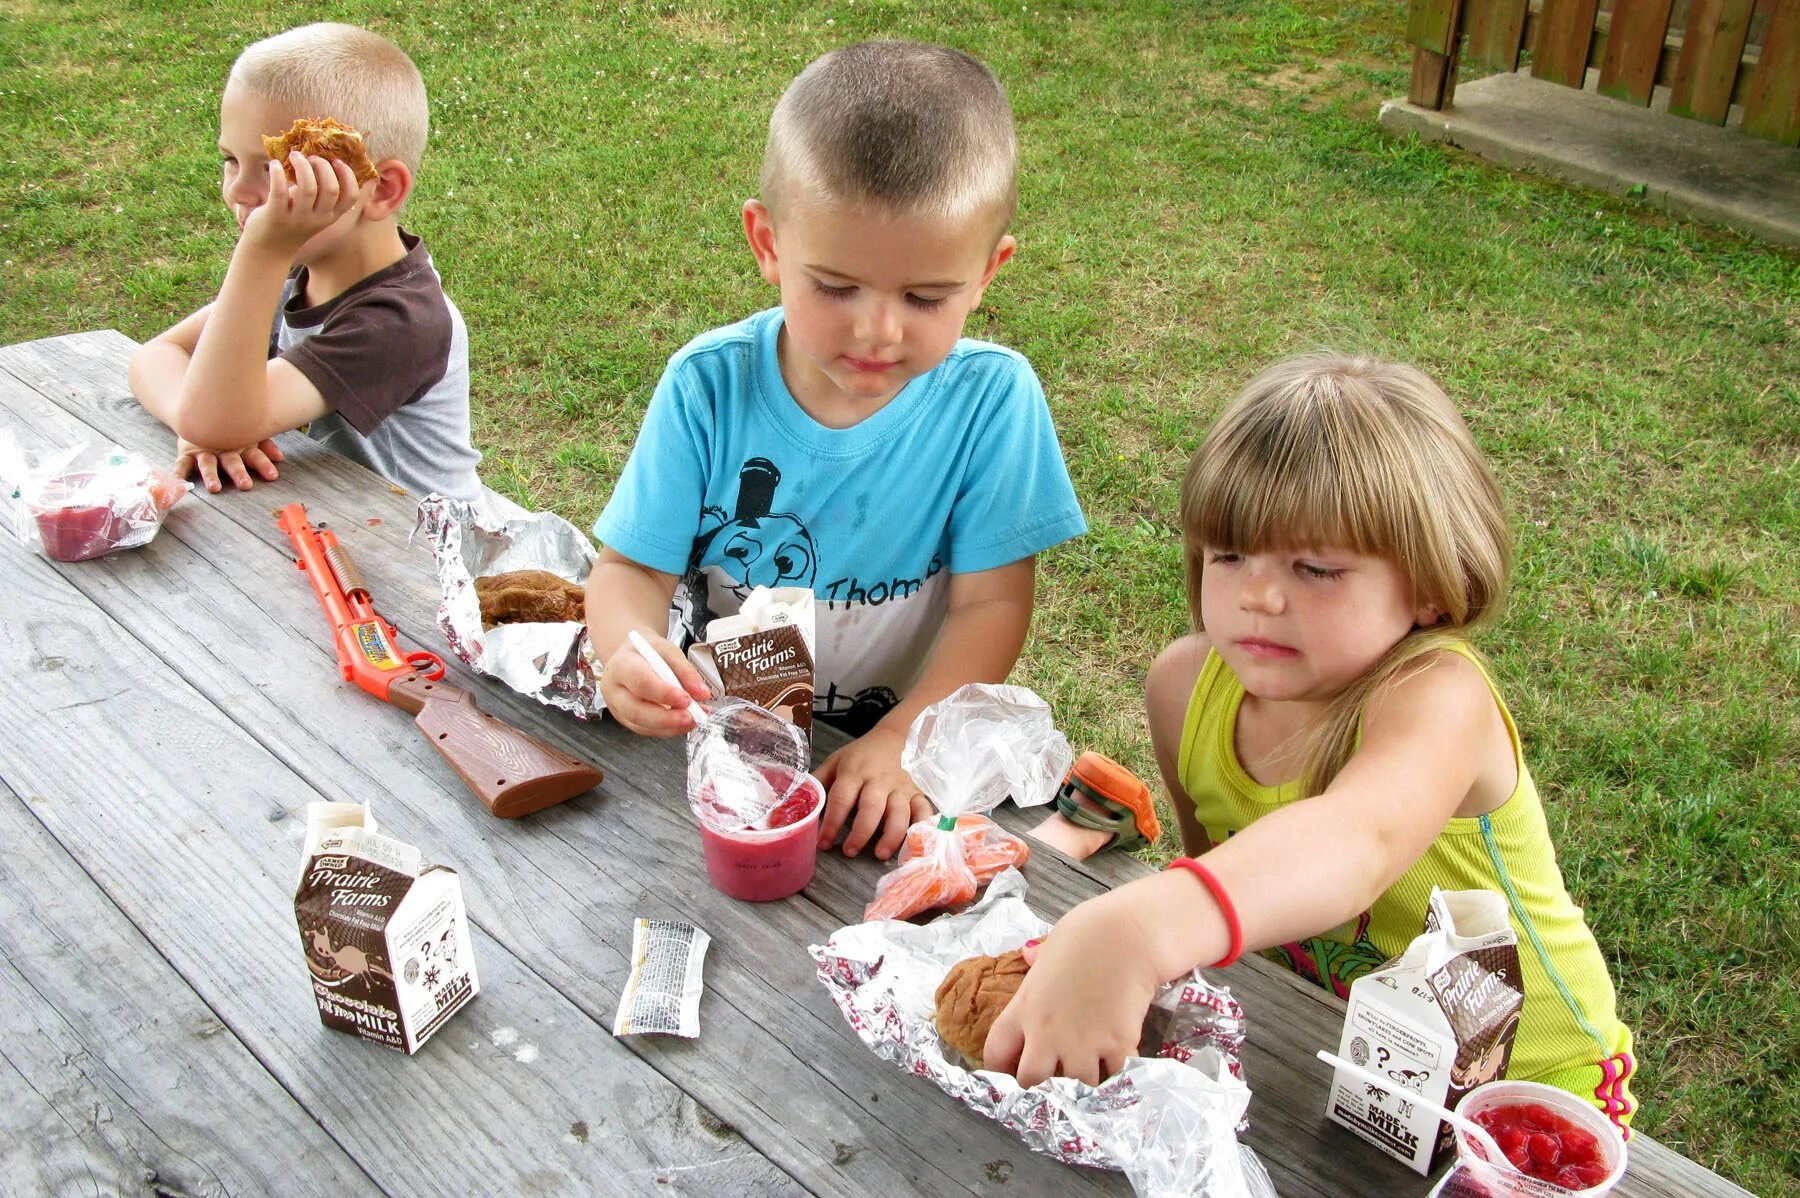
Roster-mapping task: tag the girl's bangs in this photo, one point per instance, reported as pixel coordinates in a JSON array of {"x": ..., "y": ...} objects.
[{"x": 1291, "y": 493}]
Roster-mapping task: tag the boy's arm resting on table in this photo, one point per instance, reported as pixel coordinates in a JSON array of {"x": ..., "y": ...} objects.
[
  {"x": 623, "y": 595},
  {"x": 157, "y": 372},
  {"x": 1299, "y": 869},
  {"x": 984, "y": 630}
]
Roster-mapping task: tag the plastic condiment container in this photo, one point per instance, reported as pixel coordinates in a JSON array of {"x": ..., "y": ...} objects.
[
  {"x": 72, "y": 525},
  {"x": 760, "y": 865},
  {"x": 1492, "y": 1095}
]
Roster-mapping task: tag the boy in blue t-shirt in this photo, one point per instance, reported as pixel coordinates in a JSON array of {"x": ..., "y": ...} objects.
[{"x": 850, "y": 440}]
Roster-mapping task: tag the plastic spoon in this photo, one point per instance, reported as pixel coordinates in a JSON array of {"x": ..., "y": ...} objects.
[
  {"x": 663, "y": 671},
  {"x": 1468, "y": 1127}
]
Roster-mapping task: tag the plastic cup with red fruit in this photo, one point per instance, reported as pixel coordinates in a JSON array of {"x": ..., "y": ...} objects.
[
  {"x": 772, "y": 858},
  {"x": 1554, "y": 1144}
]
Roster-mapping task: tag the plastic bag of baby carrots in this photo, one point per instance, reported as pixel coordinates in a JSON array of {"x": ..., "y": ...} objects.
[{"x": 968, "y": 753}]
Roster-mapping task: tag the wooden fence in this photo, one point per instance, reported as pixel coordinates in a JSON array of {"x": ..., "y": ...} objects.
[{"x": 1711, "y": 54}]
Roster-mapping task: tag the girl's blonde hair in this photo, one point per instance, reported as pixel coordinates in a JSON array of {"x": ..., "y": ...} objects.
[{"x": 1350, "y": 452}]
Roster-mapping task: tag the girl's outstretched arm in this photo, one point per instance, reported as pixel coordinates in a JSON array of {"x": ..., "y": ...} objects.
[{"x": 1302, "y": 868}]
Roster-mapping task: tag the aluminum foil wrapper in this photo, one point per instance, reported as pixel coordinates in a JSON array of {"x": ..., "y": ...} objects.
[
  {"x": 1184, "y": 1100},
  {"x": 549, "y": 662}
]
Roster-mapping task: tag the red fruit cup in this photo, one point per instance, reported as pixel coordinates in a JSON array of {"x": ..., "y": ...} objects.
[
  {"x": 72, "y": 526},
  {"x": 1560, "y": 1138},
  {"x": 758, "y": 865}
]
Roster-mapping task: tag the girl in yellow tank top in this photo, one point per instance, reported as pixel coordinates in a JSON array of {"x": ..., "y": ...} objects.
[{"x": 1333, "y": 746}]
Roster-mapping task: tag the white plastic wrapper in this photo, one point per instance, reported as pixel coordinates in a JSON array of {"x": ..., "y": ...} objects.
[
  {"x": 87, "y": 500},
  {"x": 662, "y": 993},
  {"x": 1171, "y": 1114},
  {"x": 969, "y": 752},
  {"x": 549, "y": 662}
]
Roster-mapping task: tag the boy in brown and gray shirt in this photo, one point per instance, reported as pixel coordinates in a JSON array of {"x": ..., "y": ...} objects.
[{"x": 331, "y": 316}]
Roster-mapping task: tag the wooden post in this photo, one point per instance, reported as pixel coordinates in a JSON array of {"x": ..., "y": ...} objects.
[
  {"x": 1496, "y": 30},
  {"x": 1711, "y": 47},
  {"x": 1561, "y": 52},
  {"x": 1431, "y": 28},
  {"x": 1634, "y": 47},
  {"x": 1772, "y": 105}
]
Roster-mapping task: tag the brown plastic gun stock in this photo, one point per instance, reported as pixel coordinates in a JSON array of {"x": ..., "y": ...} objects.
[{"x": 511, "y": 772}]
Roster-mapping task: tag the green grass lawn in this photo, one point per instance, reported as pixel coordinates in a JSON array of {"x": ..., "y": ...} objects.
[{"x": 1203, "y": 190}]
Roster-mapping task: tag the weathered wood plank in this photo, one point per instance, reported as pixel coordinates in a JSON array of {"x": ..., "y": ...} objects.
[
  {"x": 1772, "y": 107},
  {"x": 1433, "y": 81},
  {"x": 1560, "y": 53},
  {"x": 208, "y": 881},
  {"x": 1634, "y": 49},
  {"x": 96, "y": 1028},
  {"x": 1496, "y": 30},
  {"x": 561, "y": 887},
  {"x": 1431, "y": 24},
  {"x": 1712, "y": 45}
]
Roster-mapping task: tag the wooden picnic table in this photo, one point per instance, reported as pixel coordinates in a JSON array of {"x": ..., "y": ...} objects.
[{"x": 170, "y": 713}]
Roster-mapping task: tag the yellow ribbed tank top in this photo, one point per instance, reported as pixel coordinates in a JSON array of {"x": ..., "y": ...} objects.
[{"x": 1569, "y": 1033}]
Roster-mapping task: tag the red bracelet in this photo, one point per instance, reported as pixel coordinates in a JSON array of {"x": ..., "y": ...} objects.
[{"x": 1226, "y": 908}]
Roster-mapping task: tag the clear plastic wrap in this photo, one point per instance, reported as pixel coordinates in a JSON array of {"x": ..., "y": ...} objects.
[
  {"x": 89, "y": 500},
  {"x": 744, "y": 761},
  {"x": 1170, "y": 1117},
  {"x": 968, "y": 752}
]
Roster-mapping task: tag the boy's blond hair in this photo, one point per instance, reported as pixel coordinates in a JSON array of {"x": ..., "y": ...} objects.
[
  {"x": 1336, "y": 451},
  {"x": 895, "y": 126},
  {"x": 349, "y": 74}
]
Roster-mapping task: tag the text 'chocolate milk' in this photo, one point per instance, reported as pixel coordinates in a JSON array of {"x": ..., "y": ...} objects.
[
  {"x": 385, "y": 936},
  {"x": 1437, "y": 1020}
]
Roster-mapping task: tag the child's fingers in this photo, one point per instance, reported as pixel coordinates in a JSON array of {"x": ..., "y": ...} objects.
[
  {"x": 921, "y": 809},
  {"x": 233, "y": 464},
  {"x": 839, "y": 801},
  {"x": 271, "y": 450},
  {"x": 1005, "y": 1041},
  {"x": 871, "y": 808},
  {"x": 209, "y": 470},
  {"x": 324, "y": 184},
  {"x": 647, "y": 719},
  {"x": 258, "y": 460},
  {"x": 305, "y": 187},
  {"x": 893, "y": 827}
]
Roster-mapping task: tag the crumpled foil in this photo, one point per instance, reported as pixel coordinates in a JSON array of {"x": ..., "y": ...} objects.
[
  {"x": 549, "y": 662},
  {"x": 1172, "y": 1114}
]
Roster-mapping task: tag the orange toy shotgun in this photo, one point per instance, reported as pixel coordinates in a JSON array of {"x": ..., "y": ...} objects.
[{"x": 514, "y": 774}]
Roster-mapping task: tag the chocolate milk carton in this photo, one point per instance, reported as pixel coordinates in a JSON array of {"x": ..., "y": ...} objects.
[
  {"x": 385, "y": 935},
  {"x": 764, "y": 654},
  {"x": 1438, "y": 1019}
]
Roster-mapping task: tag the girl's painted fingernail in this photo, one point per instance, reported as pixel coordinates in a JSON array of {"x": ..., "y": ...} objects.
[{"x": 1034, "y": 942}]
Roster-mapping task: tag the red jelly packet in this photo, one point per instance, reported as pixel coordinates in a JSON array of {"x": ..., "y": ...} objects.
[{"x": 88, "y": 501}]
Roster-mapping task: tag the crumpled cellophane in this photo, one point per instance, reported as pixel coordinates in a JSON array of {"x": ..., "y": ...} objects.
[
  {"x": 86, "y": 500},
  {"x": 1169, "y": 1118},
  {"x": 549, "y": 662},
  {"x": 968, "y": 752}
]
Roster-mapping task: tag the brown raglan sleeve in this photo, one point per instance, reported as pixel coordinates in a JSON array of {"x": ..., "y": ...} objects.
[{"x": 377, "y": 353}]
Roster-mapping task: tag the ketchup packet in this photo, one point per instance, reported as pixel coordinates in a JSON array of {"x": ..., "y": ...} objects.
[
  {"x": 88, "y": 501},
  {"x": 968, "y": 753}
]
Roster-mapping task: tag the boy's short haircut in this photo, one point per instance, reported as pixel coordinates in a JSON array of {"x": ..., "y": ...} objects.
[
  {"x": 354, "y": 76},
  {"x": 897, "y": 126}
]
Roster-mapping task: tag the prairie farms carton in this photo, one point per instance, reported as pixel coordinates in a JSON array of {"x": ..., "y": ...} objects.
[
  {"x": 1439, "y": 1019},
  {"x": 764, "y": 654},
  {"x": 385, "y": 936}
]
